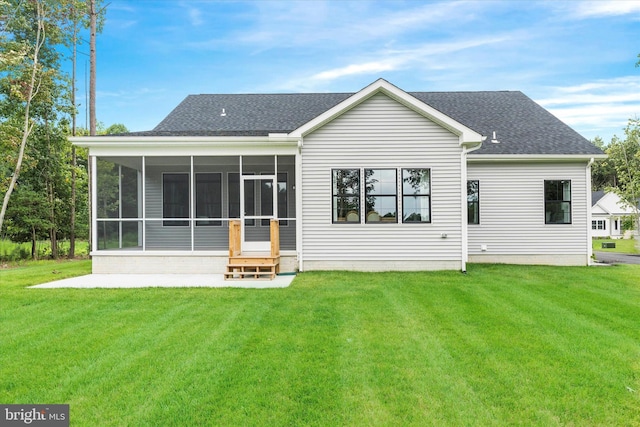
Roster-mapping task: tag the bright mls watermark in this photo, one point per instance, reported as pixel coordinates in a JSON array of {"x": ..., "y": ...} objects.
[{"x": 34, "y": 415}]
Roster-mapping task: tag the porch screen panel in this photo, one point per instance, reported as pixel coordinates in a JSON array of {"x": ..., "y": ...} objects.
[
  {"x": 254, "y": 165},
  {"x": 119, "y": 189},
  {"x": 208, "y": 198},
  {"x": 267, "y": 200},
  {"x": 175, "y": 198},
  {"x": 130, "y": 187},
  {"x": 286, "y": 188},
  {"x": 233, "y": 187},
  {"x": 108, "y": 191}
]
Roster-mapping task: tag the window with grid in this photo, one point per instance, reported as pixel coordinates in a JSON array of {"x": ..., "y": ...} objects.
[
  {"x": 473, "y": 202},
  {"x": 381, "y": 195},
  {"x": 345, "y": 184},
  {"x": 557, "y": 202},
  {"x": 416, "y": 195}
]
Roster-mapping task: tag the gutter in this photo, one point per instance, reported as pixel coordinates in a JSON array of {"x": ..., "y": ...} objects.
[
  {"x": 557, "y": 158},
  {"x": 183, "y": 141}
]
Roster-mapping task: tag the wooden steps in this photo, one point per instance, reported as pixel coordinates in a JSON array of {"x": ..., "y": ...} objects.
[{"x": 252, "y": 267}]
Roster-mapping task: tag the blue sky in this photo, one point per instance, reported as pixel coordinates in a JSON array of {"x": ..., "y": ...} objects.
[{"x": 575, "y": 58}]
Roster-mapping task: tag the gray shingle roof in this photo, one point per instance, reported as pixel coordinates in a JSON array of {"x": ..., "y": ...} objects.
[
  {"x": 596, "y": 196},
  {"x": 521, "y": 125},
  {"x": 261, "y": 113}
]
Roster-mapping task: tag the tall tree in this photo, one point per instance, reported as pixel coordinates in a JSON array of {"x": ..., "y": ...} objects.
[
  {"x": 93, "y": 18},
  {"x": 603, "y": 173},
  {"x": 21, "y": 66},
  {"x": 625, "y": 154}
]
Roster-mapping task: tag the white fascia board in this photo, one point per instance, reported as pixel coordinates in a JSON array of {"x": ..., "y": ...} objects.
[
  {"x": 182, "y": 141},
  {"x": 552, "y": 158},
  {"x": 467, "y": 135},
  {"x": 599, "y": 210}
]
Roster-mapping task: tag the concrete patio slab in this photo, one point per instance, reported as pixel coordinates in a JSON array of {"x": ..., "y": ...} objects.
[{"x": 165, "y": 281}]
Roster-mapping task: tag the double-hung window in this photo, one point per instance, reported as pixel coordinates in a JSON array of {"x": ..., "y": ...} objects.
[
  {"x": 416, "y": 195},
  {"x": 345, "y": 184},
  {"x": 473, "y": 202},
  {"x": 557, "y": 202},
  {"x": 175, "y": 198},
  {"x": 381, "y": 195}
]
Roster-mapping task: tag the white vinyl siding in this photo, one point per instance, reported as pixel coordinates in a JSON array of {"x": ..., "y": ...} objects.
[
  {"x": 512, "y": 213},
  {"x": 381, "y": 133}
]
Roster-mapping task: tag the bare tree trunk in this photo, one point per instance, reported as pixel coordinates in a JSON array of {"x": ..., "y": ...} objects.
[
  {"x": 72, "y": 219},
  {"x": 92, "y": 97},
  {"x": 53, "y": 235},
  {"x": 93, "y": 15},
  {"x": 31, "y": 93},
  {"x": 34, "y": 252}
]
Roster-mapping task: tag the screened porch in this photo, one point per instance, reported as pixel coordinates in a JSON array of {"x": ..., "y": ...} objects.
[{"x": 185, "y": 203}]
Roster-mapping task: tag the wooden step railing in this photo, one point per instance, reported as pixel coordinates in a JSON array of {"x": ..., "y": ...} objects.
[{"x": 254, "y": 265}]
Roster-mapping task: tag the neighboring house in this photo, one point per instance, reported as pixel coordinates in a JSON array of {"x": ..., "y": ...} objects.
[
  {"x": 607, "y": 213},
  {"x": 380, "y": 179}
]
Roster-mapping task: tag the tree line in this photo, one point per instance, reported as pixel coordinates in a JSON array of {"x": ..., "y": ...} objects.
[
  {"x": 43, "y": 179},
  {"x": 620, "y": 171}
]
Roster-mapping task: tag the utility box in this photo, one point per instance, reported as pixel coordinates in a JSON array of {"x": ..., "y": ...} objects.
[{"x": 608, "y": 245}]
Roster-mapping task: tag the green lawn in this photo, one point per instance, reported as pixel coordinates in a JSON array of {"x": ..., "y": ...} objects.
[
  {"x": 501, "y": 345},
  {"x": 625, "y": 246}
]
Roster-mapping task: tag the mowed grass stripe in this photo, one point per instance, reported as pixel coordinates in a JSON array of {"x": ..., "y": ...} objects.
[
  {"x": 501, "y": 345},
  {"x": 518, "y": 334}
]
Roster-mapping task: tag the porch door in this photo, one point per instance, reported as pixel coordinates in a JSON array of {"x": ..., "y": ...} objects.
[{"x": 256, "y": 216}]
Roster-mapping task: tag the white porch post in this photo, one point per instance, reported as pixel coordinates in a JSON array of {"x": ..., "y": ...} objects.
[
  {"x": 588, "y": 203},
  {"x": 93, "y": 164},
  {"x": 274, "y": 210},
  {"x": 192, "y": 210},
  {"x": 144, "y": 205},
  {"x": 119, "y": 206}
]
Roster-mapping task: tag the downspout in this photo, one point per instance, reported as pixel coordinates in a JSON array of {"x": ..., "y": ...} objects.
[
  {"x": 298, "y": 192},
  {"x": 588, "y": 203},
  {"x": 464, "y": 225}
]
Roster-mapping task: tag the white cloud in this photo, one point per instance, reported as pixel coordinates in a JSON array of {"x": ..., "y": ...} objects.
[
  {"x": 588, "y": 9},
  {"x": 601, "y": 107},
  {"x": 366, "y": 68},
  {"x": 195, "y": 17},
  {"x": 395, "y": 59},
  {"x": 128, "y": 94},
  {"x": 342, "y": 23}
]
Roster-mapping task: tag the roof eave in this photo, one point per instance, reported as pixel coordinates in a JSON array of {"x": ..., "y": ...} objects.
[{"x": 478, "y": 158}]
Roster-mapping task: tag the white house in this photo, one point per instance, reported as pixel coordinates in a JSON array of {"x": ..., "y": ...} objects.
[
  {"x": 380, "y": 179},
  {"x": 607, "y": 213}
]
